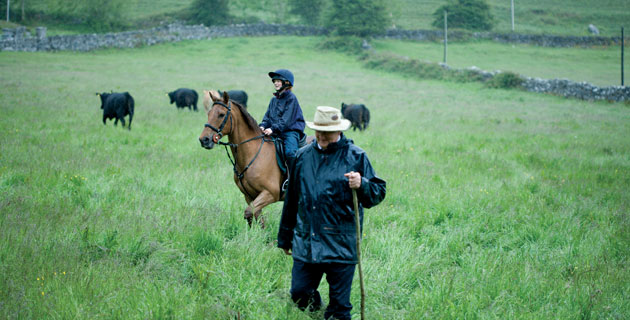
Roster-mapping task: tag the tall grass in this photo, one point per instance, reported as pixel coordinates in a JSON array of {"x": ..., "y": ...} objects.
[{"x": 501, "y": 204}]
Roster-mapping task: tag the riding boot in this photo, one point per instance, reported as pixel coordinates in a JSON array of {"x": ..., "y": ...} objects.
[{"x": 290, "y": 163}]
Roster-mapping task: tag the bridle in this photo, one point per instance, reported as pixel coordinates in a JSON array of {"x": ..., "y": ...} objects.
[{"x": 219, "y": 134}]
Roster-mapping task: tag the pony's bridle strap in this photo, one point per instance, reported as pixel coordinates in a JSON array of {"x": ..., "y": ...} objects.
[{"x": 222, "y": 125}]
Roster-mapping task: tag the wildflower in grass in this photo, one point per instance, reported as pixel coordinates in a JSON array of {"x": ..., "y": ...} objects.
[{"x": 42, "y": 293}]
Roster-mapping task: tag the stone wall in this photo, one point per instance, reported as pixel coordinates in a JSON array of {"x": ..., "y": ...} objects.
[
  {"x": 579, "y": 90},
  {"x": 533, "y": 39},
  {"x": 20, "y": 39},
  {"x": 561, "y": 87}
]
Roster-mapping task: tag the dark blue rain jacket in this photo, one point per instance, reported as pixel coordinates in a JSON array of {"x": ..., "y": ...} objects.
[
  {"x": 317, "y": 221},
  {"x": 284, "y": 114}
]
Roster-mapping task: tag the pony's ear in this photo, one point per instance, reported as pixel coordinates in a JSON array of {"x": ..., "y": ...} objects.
[
  {"x": 214, "y": 95},
  {"x": 226, "y": 97},
  {"x": 206, "y": 100}
]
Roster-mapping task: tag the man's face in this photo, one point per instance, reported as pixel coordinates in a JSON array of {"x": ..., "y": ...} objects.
[{"x": 325, "y": 138}]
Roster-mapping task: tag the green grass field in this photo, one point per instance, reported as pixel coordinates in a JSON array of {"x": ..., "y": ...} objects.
[
  {"x": 501, "y": 204},
  {"x": 599, "y": 66},
  {"x": 537, "y": 16}
]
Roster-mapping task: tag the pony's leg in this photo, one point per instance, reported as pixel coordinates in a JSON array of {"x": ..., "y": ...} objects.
[{"x": 263, "y": 199}]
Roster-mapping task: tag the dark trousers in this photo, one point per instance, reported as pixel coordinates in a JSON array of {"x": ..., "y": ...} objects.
[
  {"x": 291, "y": 140},
  {"x": 305, "y": 279}
]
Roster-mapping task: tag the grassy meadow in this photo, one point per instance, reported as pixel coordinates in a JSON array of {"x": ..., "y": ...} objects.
[
  {"x": 501, "y": 204},
  {"x": 599, "y": 66}
]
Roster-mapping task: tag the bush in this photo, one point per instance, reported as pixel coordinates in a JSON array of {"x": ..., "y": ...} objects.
[
  {"x": 359, "y": 18},
  {"x": 348, "y": 44},
  {"x": 104, "y": 15},
  {"x": 210, "y": 12},
  {"x": 465, "y": 14},
  {"x": 310, "y": 11},
  {"x": 505, "y": 80}
]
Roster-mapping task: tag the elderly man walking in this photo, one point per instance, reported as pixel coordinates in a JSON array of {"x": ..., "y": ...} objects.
[{"x": 317, "y": 225}]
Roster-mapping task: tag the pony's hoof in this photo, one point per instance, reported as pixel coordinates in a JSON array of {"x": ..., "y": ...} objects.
[{"x": 249, "y": 216}]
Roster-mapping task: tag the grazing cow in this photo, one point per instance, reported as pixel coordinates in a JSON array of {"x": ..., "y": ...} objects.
[
  {"x": 239, "y": 96},
  {"x": 116, "y": 106},
  {"x": 358, "y": 114},
  {"x": 184, "y": 98}
]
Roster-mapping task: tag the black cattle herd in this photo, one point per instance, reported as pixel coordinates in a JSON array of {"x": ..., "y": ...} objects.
[{"x": 118, "y": 105}]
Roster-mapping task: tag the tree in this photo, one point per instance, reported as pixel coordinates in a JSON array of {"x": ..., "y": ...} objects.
[
  {"x": 210, "y": 12},
  {"x": 309, "y": 10},
  {"x": 361, "y": 18},
  {"x": 465, "y": 14},
  {"x": 104, "y": 15}
]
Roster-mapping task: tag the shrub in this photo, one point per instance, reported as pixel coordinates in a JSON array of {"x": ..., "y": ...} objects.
[
  {"x": 505, "y": 80},
  {"x": 465, "y": 14},
  {"x": 210, "y": 12},
  {"x": 310, "y": 11},
  {"x": 359, "y": 18},
  {"x": 347, "y": 44},
  {"x": 104, "y": 15}
]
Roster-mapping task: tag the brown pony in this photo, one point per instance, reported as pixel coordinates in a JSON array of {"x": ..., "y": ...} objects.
[{"x": 256, "y": 172}]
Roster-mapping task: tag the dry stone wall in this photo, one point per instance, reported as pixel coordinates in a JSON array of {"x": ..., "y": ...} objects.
[{"x": 20, "y": 39}]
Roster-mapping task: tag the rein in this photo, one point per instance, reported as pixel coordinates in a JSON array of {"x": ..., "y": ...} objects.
[{"x": 219, "y": 134}]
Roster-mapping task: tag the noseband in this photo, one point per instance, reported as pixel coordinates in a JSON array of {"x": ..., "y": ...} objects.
[{"x": 219, "y": 134}]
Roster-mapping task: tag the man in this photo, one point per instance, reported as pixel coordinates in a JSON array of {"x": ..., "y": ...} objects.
[{"x": 317, "y": 225}]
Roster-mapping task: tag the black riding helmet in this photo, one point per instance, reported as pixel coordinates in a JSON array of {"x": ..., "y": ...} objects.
[{"x": 284, "y": 75}]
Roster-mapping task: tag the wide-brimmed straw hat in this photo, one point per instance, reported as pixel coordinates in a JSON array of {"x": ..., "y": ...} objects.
[{"x": 328, "y": 119}]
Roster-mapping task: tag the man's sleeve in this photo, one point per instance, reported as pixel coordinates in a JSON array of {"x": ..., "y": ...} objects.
[{"x": 373, "y": 188}]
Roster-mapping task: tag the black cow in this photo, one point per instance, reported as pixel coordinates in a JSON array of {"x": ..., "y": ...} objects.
[
  {"x": 116, "y": 106},
  {"x": 358, "y": 114},
  {"x": 239, "y": 96},
  {"x": 184, "y": 98}
]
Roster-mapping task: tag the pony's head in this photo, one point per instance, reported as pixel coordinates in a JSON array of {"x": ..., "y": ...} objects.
[{"x": 219, "y": 110}]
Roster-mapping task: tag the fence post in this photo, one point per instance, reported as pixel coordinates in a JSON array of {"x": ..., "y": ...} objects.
[
  {"x": 512, "y": 15},
  {"x": 622, "y": 56},
  {"x": 445, "y": 34},
  {"x": 8, "y": 5}
]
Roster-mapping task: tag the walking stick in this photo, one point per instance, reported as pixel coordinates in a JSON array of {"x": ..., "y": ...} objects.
[{"x": 358, "y": 226}]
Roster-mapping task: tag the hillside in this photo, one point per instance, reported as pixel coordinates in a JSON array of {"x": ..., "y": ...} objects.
[{"x": 564, "y": 17}]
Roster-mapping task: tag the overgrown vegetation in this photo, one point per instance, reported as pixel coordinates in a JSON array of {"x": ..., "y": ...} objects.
[
  {"x": 359, "y": 18},
  {"x": 209, "y": 12},
  {"x": 310, "y": 11},
  {"x": 505, "y": 80},
  {"x": 464, "y": 14},
  {"x": 348, "y": 44}
]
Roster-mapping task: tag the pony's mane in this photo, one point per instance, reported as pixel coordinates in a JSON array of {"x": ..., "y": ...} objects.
[{"x": 249, "y": 120}]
